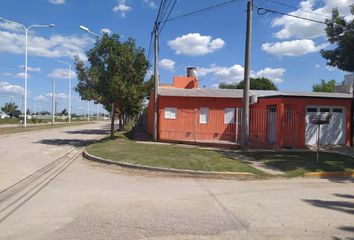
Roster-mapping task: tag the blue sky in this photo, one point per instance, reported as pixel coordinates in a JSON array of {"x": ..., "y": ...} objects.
[{"x": 284, "y": 49}]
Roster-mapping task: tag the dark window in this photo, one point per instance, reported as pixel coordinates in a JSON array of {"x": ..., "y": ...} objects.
[
  {"x": 337, "y": 110},
  {"x": 324, "y": 109},
  {"x": 311, "y": 109}
]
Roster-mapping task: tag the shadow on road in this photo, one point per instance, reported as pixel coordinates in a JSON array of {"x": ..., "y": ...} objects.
[
  {"x": 69, "y": 142},
  {"x": 344, "y": 195},
  {"x": 89, "y": 131},
  {"x": 347, "y": 207}
]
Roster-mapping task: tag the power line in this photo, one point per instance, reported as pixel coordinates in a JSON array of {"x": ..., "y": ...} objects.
[
  {"x": 263, "y": 11},
  {"x": 168, "y": 15},
  {"x": 292, "y": 7},
  {"x": 200, "y": 11},
  {"x": 150, "y": 46}
]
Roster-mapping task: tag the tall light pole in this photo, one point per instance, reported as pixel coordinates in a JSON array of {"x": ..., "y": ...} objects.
[
  {"x": 69, "y": 75},
  {"x": 88, "y": 111},
  {"x": 26, "y": 55},
  {"x": 53, "y": 101}
]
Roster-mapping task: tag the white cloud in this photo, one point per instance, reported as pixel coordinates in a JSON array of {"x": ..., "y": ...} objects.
[
  {"x": 57, "y": 1},
  {"x": 292, "y": 48},
  {"x": 235, "y": 73},
  {"x": 22, "y": 75},
  {"x": 194, "y": 44},
  {"x": 317, "y": 65},
  {"x": 122, "y": 8},
  {"x": 61, "y": 96},
  {"x": 53, "y": 47},
  {"x": 330, "y": 68},
  {"x": 30, "y": 69},
  {"x": 11, "y": 26},
  {"x": 106, "y": 30},
  {"x": 6, "y": 74},
  {"x": 7, "y": 88},
  {"x": 61, "y": 73},
  {"x": 274, "y": 74},
  {"x": 294, "y": 27},
  {"x": 41, "y": 98},
  {"x": 167, "y": 64},
  {"x": 150, "y": 3}
]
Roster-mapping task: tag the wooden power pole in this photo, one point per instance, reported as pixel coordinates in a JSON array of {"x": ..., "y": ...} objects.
[
  {"x": 246, "y": 80},
  {"x": 156, "y": 76}
]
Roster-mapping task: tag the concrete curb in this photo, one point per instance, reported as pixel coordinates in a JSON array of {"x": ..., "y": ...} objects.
[
  {"x": 168, "y": 170},
  {"x": 344, "y": 174}
]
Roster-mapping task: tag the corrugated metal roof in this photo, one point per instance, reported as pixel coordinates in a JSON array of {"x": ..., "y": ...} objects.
[{"x": 238, "y": 93}]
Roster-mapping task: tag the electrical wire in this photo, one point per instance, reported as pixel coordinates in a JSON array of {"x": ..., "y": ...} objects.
[
  {"x": 200, "y": 11},
  {"x": 263, "y": 11},
  {"x": 292, "y": 7},
  {"x": 168, "y": 15}
]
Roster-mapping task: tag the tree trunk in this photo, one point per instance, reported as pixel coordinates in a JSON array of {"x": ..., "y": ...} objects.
[
  {"x": 112, "y": 119},
  {"x": 120, "y": 122}
]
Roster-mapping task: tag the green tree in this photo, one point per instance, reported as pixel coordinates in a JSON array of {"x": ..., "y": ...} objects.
[
  {"x": 149, "y": 85},
  {"x": 255, "y": 84},
  {"x": 64, "y": 112},
  {"x": 10, "y": 108},
  {"x": 324, "y": 86},
  {"x": 114, "y": 77},
  {"x": 340, "y": 33}
]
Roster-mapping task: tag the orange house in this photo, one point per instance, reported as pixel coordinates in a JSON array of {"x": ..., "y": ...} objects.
[{"x": 278, "y": 119}]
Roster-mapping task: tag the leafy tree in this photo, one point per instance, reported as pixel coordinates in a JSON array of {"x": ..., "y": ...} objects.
[
  {"x": 340, "y": 32},
  {"x": 255, "y": 84},
  {"x": 11, "y": 109},
  {"x": 43, "y": 113},
  {"x": 64, "y": 112},
  {"x": 114, "y": 77},
  {"x": 149, "y": 85},
  {"x": 324, "y": 86}
]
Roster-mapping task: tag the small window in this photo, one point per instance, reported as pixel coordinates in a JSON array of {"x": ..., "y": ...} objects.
[
  {"x": 229, "y": 115},
  {"x": 324, "y": 110},
  {"x": 170, "y": 113},
  {"x": 311, "y": 109},
  {"x": 203, "y": 118},
  {"x": 337, "y": 110}
]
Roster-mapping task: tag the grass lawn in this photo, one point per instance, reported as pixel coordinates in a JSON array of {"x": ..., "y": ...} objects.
[
  {"x": 299, "y": 163},
  {"x": 167, "y": 156},
  {"x": 18, "y": 129}
]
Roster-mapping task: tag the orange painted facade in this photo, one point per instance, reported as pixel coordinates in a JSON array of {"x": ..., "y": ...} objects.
[
  {"x": 290, "y": 119},
  {"x": 288, "y": 113}
]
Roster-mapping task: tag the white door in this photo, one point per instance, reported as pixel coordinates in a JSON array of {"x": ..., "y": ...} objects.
[
  {"x": 272, "y": 124},
  {"x": 332, "y": 133}
]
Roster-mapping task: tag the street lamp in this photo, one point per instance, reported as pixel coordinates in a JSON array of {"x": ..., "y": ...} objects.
[
  {"x": 86, "y": 29},
  {"x": 69, "y": 73},
  {"x": 26, "y": 56}
]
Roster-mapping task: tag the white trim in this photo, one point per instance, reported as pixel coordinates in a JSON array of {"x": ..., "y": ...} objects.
[{"x": 203, "y": 115}]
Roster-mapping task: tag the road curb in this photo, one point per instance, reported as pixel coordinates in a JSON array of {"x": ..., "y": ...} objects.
[
  {"x": 344, "y": 174},
  {"x": 168, "y": 170}
]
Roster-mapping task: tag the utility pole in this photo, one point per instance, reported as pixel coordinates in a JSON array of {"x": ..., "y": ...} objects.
[
  {"x": 53, "y": 101},
  {"x": 246, "y": 80},
  {"x": 156, "y": 75}
]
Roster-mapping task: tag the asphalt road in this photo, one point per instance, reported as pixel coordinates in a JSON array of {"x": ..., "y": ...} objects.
[{"x": 47, "y": 191}]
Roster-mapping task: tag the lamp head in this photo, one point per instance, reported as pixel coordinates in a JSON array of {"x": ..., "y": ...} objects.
[{"x": 86, "y": 29}]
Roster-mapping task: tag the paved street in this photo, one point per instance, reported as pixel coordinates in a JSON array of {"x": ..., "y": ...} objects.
[{"x": 47, "y": 191}]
